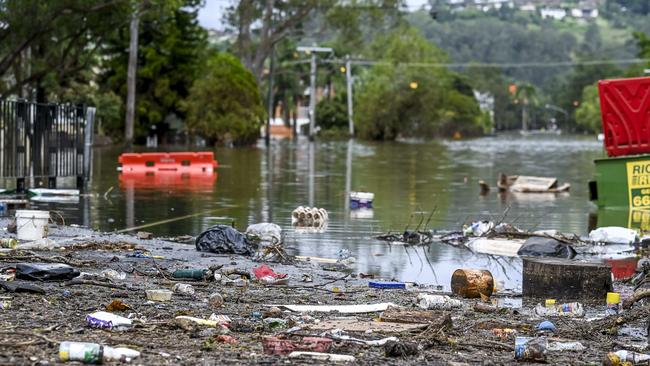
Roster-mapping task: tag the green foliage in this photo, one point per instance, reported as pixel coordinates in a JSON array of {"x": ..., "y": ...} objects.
[
  {"x": 354, "y": 22},
  {"x": 107, "y": 103},
  {"x": 48, "y": 45},
  {"x": 588, "y": 113},
  {"x": 171, "y": 49},
  {"x": 643, "y": 42},
  {"x": 487, "y": 38},
  {"x": 507, "y": 36},
  {"x": 332, "y": 113},
  {"x": 631, "y": 6},
  {"x": 571, "y": 89},
  {"x": 396, "y": 100},
  {"x": 224, "y": 104}
]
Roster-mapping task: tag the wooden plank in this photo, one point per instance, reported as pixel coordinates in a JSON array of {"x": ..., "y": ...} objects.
[
  {"x": 354, "y": 325},
  {"x": 565, "y": 279},
  {"x": 533, "y": 184},
  {"x": 400, "y": 315}
]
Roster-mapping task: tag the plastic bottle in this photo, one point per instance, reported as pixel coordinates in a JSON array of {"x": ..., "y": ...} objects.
[
  {"x": 427, "y": 301},
  {"x": 391, "y": 285},
  {"x": 196, "y": 273},
  {"x": 241, "y": 282},
  {"x": 530, "y": 349},
  {"x": 216, "y": 300},
  {"x": 105, "y": 320},
  {"x": 565, "y": 346},
  {"x": 8, "y": 243},
  {"x": 94, "y": 353},
  {"x": 183, "y": 288},
  {"x": 549, "y": 303},
  {"x": 113, "y": 275},
  {"x": 274, "y": 323},
  {"x": 613, "y": 301},
  {"x": 572, "y": 309},
  {"x": 624, "y": 357}
]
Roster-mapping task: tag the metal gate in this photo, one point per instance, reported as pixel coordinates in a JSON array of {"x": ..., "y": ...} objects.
[{"x": 45, "y": 145}]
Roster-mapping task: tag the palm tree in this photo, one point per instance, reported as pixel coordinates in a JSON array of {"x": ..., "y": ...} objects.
[{"x": 527, "y": 95}]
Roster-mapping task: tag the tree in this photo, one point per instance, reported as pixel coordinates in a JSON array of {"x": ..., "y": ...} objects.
[
  {"x": 424, "y": 102},
  {"x": 569, "y": 92},
  {"x": 332, "y": 113},
  {"x": 224, "y": 105},
  {"x": 633, "y": 6},
  {"x": 47, "y": 44},
  {"x": 526, "y": 96},
  {"x": 171, "y": 49},
  {"x": 261, "y": 25},
  {"x": 588, "y": 113}
]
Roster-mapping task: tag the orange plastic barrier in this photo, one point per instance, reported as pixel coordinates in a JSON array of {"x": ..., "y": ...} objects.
[
  {"x": 168, "y": 180},
  {"x": 181, "y": 162}
]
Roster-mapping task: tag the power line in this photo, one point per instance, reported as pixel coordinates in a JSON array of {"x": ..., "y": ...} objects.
[{"x": 538, "y": 64}]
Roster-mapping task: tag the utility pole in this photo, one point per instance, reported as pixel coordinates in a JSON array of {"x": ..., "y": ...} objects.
[
  {"x": 312, "y": 97},
  {"x": 312, "y": 85},
  {"x": 348, "y": 77},
  {"x": 267, "y": 135},
  {"x": 130, "y": 78}
]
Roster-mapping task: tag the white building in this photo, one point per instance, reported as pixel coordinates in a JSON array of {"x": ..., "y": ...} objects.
[
  {"x": 587, "y": 13},
  {"x": 528, "y": 7},
  {"x": 553, "y": 13}
]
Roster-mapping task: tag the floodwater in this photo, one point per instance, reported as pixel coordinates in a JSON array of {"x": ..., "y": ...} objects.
[{"x": 409, "y": 179}]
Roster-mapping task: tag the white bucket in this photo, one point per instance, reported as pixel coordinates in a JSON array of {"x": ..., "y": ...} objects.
[{"x": 32, "y": 224}]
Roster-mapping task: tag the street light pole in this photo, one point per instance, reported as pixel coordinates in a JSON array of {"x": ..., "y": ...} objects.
[
  {"x": 312, "y": 97},
  {"x": 561, "y": 110},
  {"x": 312, "y": 86},
  {"x": 267, "y": 135},
  {"x": 348, "y": 77}
]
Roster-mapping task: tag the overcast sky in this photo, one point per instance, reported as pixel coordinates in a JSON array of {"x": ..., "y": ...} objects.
[{"x": 211, "y": 15}]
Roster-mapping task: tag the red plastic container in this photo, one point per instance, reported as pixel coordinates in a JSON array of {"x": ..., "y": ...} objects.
[
  {"x": 278, "y": 346},
  {"x": 623, "y": 269},
  {"x": 625, "y": 110},
  {"x": 181, "y": 162}
]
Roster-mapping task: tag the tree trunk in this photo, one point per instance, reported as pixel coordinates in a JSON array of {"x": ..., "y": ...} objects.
[{"x": 131, "y": 79}]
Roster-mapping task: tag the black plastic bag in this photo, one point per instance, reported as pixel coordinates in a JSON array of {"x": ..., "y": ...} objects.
[
  {"x": 546, "y": 247},
  {"x": 45, "y": 271},
  {"x": 18, "y": 286},
  {"x": 224, "y": 239}
]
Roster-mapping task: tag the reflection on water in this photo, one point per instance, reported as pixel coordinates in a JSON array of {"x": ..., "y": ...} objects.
[{"x": 256, "y": 185}]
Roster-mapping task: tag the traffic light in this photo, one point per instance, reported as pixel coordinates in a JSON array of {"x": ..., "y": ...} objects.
[{"x": 512, "y": 89}]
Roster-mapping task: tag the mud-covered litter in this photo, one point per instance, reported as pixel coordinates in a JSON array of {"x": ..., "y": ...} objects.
[{"x": 251, "y": 321}]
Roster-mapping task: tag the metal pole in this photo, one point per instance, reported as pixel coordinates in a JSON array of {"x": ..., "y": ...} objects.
[
  {"x": 267, "y": 135},
  {"x": 88, "y": 143},
  {"x": 130, "y": 78},
  {"x": 348, "y": 181},
  {"x": 348, "y": 77},
  {"x": 312, "y": 172},
  {"x": 312, "y": 97}
]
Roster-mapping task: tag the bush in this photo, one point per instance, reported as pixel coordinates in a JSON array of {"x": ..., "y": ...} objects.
[
  {"x": 224, "y": 105},
  {"x": 397, "y": 100},
  {"x": 332, "y": 113}
]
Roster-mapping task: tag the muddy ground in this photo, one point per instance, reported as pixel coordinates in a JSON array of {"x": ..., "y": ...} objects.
[{"x": 34, "y": 324}]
